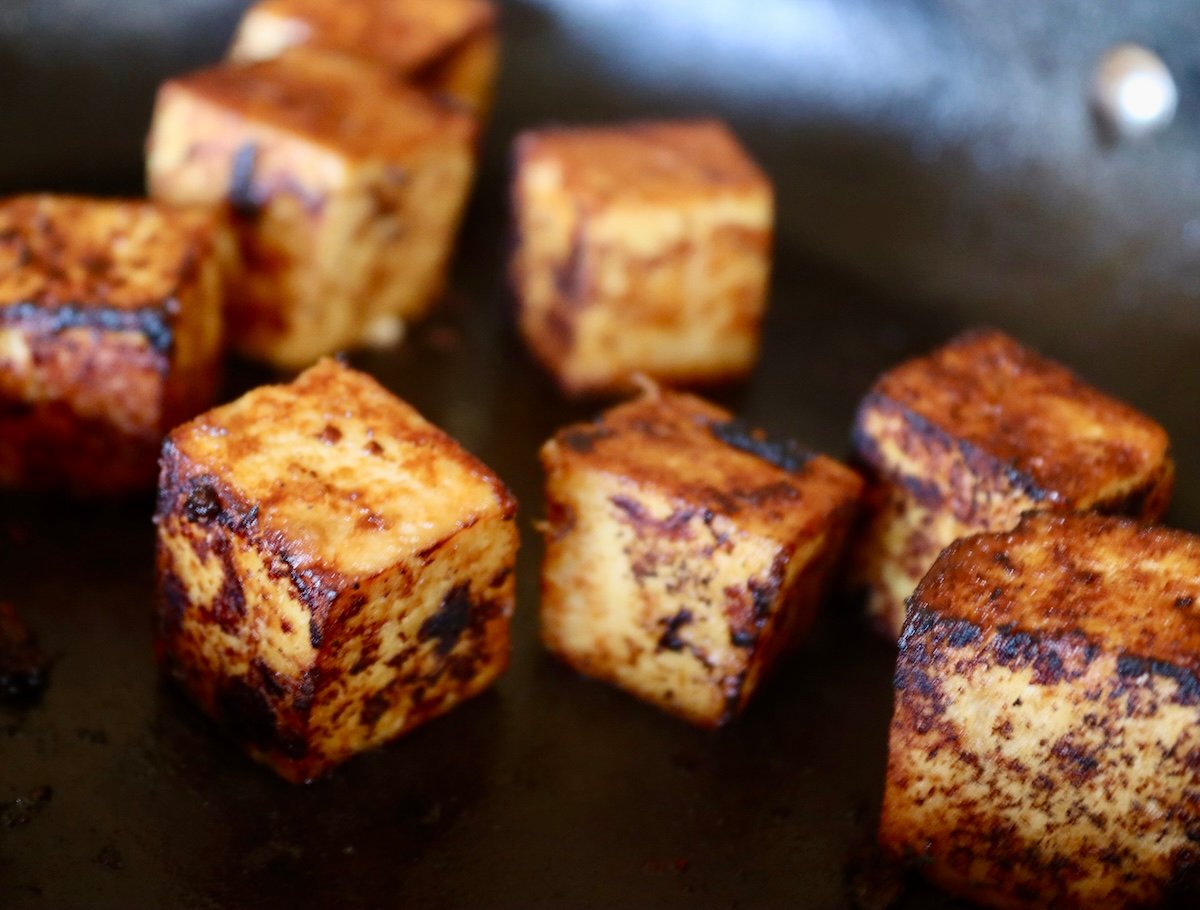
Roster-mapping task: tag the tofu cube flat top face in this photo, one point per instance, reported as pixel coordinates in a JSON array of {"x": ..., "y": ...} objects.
[
  {"x": 89, "y": 254},
  {"x": 699, "y": 456},
  {"x": 684, "y": 552},
  {"x": 340, "y": 468},
  {"x": 407, "y": 35},
  {"x": 333, "y": 570},
  {"x": 1133, "y": 587},
  {"x": 1047, "y": 720},
  {"x": 1066, "y": 442},
  {"x": 349, "y": 109},
  {"x": 667, "y": 163}
]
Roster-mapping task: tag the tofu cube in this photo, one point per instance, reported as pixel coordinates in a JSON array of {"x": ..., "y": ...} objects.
[
  {"x": 642, "y": 248},
  {"x": 685, "y": 553},
  {"x": 110, "y": 333},
  {"x": 333, "y": 569},
  {"x": 967, "y": 438},
  {"x": 1043, "y": 750},
  {"x": 345, "y": 190},
  {"x": 440, "y": 45}
]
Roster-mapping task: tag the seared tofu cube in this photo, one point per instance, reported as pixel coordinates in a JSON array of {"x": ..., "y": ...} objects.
[
  {"x": 685, "y": 553},
  {"x": 441, "y": 45},
  {"x": 110, "y": 333},
  {"x": 642, "y": 248},
  {"x": 967, "y": 438},
  {"x": 1047, "y": 723},
  {"x": 345, "y": 190},
  {"x": 333, "y": 569}
]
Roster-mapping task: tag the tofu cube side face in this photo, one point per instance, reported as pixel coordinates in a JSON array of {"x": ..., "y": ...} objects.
[
  {"x": 441, "y": 45},
  {"x": 1034, "y": 768},
  {"x": 661, "y": 591},
  {"x": 938, "y": 471},
  {"x": 624, "y": 268},
  {"x": 110, "y": 332},
  {"x": 312, "y": 623},
  {"x": 334, "y": 239}
]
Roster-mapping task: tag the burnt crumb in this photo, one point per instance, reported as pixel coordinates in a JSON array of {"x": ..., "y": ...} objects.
[
  {"x": 1184, "y": 601},
  {"x": 670, "y": 640},
  {"x": 373, "y": 448},
  {"x": 786, "y": 454},
  {"x": 110, "y": 857},
  {"x": 22, "y": 810},
  {"x": 331, "y": 435},
  {"x": 202, "y": 504},
  {"x": 447, "y": 625},
  {"x": 583, "y": 441},
  {"x": 24, "y": 668},
  {"x": 241, "y": 195}
]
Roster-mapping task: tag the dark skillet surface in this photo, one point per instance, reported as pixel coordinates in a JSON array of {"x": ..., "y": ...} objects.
[{"x": 549, "y": 790}]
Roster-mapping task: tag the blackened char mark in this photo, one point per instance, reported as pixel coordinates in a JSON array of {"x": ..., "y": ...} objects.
[
  {"x": 154, "y": 323},
  {"x": 583, "y": 439},
  {"x": 24, "y": 669},
  {"x": 202, "y": 504},
  {"x": 675, "y": 526},
  {"x": 173, "y": 604},
  {"x": 247, "y": 705},
  {"x": 447, "y": 625},
  {"x": 243, "y": 198},
  {"x": 1130, "y": 667},
  {"x": 786, "y": 453},
  {"x": 670, "y": 640}
]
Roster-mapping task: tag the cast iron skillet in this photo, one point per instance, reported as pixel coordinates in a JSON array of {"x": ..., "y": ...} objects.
[{"x": 938, "y": 155}]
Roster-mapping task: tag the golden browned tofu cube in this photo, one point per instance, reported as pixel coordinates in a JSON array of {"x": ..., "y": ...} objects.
[
  {"x": 110, "y": 333},
  {"x": 443, "y": 45},
  {"x": 345, "y": 189},
  {"x": 1047, "y": 725},
  {"x": 685, "y": 553},
  {"x": 642, "y": 248},
  {"x": 967, "y": 438},
  {"x": 333, "y": 569}
]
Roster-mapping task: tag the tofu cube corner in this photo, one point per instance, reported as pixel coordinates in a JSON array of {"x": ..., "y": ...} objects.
[
  {"x": 110, "y": 334},
  {"x": 685, "y": 553},
  {"x": 966, "y": 439},
  {"x": 333, "y": 569},
  {"x": 449, "y": 46},
  {"x": 343, "y": 187},
  {"x": 1043, "y": 750},
  {"x": 641, "y": 248}
]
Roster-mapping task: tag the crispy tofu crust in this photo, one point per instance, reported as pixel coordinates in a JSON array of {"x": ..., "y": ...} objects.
[
  {"x": 344, "y": 188},
  {"x": 966, "y": 439},
  {"x": 641, "y": 248},
  {"x": 685, "y": 553},
  {"x": 110, "y": 327},
  {"x": 1043, "y": 747},
  {"x": 333, "y": 569}
]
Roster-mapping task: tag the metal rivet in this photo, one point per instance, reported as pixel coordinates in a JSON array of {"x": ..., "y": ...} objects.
[{"x": 1133, "y": 92}]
